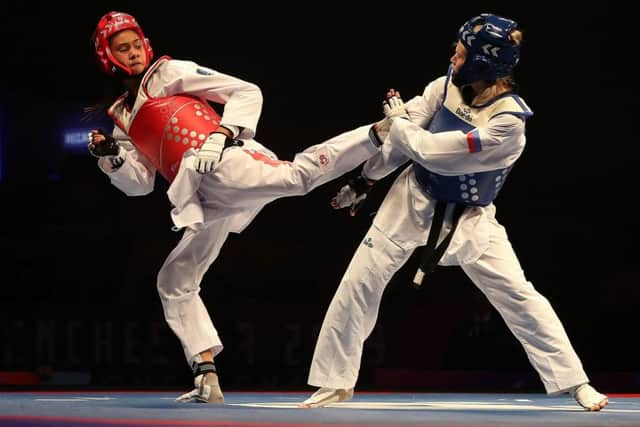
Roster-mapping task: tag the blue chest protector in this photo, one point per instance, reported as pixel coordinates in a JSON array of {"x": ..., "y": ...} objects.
[{"x": 471, "y": 189}]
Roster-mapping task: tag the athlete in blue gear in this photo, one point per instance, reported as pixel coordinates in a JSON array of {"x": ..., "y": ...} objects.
[{"x": 461, "y": 138}]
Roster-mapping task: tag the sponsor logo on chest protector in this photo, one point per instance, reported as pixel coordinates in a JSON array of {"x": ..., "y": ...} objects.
[{"x": 465, "y": 113}]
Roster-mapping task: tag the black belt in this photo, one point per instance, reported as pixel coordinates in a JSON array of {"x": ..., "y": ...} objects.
[{"x": 432, "y": 252}]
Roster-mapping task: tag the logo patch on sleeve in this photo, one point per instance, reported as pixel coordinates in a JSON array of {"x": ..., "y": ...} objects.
[{"x": 324, "y": 159}]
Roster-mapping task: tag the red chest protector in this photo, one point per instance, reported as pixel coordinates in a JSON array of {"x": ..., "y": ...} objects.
[{"x": 164, "y": 128}]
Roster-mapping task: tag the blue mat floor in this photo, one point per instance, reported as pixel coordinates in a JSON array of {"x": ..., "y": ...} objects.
[{"x": 105, "y": 409}]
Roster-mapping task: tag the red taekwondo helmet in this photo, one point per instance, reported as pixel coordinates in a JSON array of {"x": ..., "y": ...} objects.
[{"x": 110, "y": 24}]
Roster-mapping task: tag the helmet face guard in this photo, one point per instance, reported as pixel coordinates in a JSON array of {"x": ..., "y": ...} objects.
[
  {"x": 108, "y": 26},
  {"x": 490, "y": 52}
]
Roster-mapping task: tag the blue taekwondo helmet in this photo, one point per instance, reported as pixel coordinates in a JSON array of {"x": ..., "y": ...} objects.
[{"x": 490, "y": 51}]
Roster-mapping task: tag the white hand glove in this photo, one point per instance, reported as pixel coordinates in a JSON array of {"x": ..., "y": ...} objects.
[
  {"x": 394, "y": 108},
  {"x": 210, "y": 152}
]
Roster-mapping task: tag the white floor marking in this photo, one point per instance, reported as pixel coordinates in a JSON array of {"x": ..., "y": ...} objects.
[
  {"x": 72, "y": 399},
  {"x": 438, "y": 406}
]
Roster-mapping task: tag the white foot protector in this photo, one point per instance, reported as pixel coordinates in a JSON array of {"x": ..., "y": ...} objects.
[
  {"x": 589, "y": 398},
  {"x": 325, "y": 396},
  {"x": 207, "y": 390}
]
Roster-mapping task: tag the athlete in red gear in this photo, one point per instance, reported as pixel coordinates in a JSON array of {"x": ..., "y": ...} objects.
[{"x": 219, "y": 176}]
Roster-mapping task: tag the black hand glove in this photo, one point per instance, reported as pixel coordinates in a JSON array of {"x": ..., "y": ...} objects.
[
  {"x": 107, "y": 147},
  {"x": 353, "y": 194}
]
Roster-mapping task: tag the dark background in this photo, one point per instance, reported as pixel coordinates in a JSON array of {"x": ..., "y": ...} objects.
[{"x": 78, "y": 305}]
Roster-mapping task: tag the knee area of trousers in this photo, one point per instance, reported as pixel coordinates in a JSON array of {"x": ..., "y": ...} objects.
[{"x": 170, "y": 291}]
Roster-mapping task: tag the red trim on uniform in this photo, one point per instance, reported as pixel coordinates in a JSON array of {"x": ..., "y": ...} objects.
[
  {"x": 470, "y": 142},
  {"x": 473, "y": 141},
  {"x": 150, "y": 71},
  {"x": 265, "y": 159}
]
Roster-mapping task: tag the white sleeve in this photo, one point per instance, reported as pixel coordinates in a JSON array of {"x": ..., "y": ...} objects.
[
  {"x": 242, "y": 100},
  {"x": 383, "y": 163},
  {"x": 497, "y": 145},
  {"x": 136, "y": 176},
  {"x": 422, "y": 108}
]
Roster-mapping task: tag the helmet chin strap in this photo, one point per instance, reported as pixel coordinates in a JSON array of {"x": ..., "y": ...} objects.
[{"x": 468, "y": 93}]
